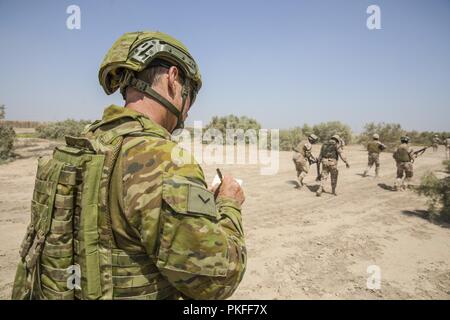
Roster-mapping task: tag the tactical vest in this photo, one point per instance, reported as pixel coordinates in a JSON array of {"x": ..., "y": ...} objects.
[
  {"x": 69, "y": 250},
  {"x": 373, "y": 147},
  {"x": 329, "y": 151},
  {"x": 402, "y": 154}
]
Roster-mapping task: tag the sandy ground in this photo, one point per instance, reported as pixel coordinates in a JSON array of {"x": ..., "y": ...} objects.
[{"x": 299, "y": 246}]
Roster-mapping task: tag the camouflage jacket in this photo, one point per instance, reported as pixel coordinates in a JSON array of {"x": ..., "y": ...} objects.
[
  {"x": 304, "y": 149},
  {"x": 160, "y": 205},
  {"x": 375, "y": 146},
  {"x": 332, "y": 150},
  {"x": 403, "y": 153}
]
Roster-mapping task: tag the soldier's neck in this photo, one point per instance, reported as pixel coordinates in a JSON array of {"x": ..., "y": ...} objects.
[{"x": 152, "y": 110}]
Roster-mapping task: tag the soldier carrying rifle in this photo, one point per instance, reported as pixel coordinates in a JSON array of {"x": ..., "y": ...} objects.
[{"x": 404, "y": 155}]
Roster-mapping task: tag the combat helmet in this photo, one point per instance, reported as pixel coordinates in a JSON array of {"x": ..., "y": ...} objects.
[
  {"x": 313, "y": 138},
  {"x": 404, "y": 139},
  {"x": 336, "y": 137},
  {"x": 376, "y": 136},
  {"x": 136, "y": 51}
]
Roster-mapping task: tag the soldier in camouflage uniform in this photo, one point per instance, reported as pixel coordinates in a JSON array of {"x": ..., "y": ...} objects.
[
  {"x": 302, "y": 157},
  {"x": 435, "y": 142},
  {"x": 329, "y": 156},
  {"x": 374, "y": 149},
  {"x": 161, "y": 234},
  {"x": 404, "y": 157}
]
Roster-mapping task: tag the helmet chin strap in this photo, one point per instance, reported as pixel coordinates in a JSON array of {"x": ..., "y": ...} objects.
[{"x": 144, "y": 87}]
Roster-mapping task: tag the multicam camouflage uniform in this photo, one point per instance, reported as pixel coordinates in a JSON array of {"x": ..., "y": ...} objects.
[
  {"x": 404, "y": 156},
  {"x": 374, "y": 149},
  {"x": 302, "y": 157},
  {"x": 329, "y": 157},
  {"x": 160, "y": 206},
  {"x": 128, "y": 208}
]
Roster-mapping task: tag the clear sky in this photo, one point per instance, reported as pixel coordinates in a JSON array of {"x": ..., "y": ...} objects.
[{"x": 284, "y": 63}]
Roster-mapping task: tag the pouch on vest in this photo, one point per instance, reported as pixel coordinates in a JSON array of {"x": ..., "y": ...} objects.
[{"x": 67, "y": 251}]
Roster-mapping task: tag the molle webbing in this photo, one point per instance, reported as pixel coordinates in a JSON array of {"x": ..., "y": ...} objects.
[{"x": 69, "y": 250}]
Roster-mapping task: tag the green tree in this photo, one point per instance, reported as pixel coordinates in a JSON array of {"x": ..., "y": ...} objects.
[
  {"x": 233, "y": 122},
  {"x": 438, "y": 193},
  {"x": 7, "y": 137},
  {"x": 326, "y": 130},
  {"x": 389, "y": 133},
  {"x": 58, "y": 130},
  {"x": 2, "y": 111}
]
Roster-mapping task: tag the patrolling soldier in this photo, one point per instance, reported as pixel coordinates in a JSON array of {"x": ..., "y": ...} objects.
[
  {"x": 303, "y": 157},
  {"x": 404, "y": 156},
  {"x": 435, "y": 142},
  {"x": 374, "y": 148},
  {"x": 329, "y": 156},
  {"x": 122, "y": 212}
]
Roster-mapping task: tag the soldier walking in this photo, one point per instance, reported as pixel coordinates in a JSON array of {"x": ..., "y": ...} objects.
[
  {"x": 374, "y": 148},
  {"x": 329, "y": 156},
  {"x": 404, "y": 157},
  {"x": 303, "y": 157}
]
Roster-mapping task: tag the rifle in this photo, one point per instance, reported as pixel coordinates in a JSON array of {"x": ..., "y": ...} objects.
[
  {"x": 319, "y": 174},
  {"x": 419, "y": 152}
]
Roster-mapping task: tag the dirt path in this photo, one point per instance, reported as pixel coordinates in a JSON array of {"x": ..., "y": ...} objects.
[{"x": 301, "y": 246}]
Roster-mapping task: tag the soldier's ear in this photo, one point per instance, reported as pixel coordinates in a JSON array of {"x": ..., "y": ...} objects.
[{"x": 172, "y": 77}]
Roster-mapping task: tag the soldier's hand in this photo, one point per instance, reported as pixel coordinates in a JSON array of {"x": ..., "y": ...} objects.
[{"x": 229, "y": 188}]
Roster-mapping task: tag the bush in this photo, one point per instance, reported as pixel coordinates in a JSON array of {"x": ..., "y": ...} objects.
[
  {"x": 390, "y": 134},
  {"x": 438, "y": 192},
  {"x": 233, "y": 122},
  {"x": 58, "y": 130},
  {"x": 7, "y": 136},
  {"x": 290, "y": 138},
  {"x": 326, "y": 130}
]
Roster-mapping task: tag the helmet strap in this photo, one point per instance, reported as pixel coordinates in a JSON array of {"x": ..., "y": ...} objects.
[
  {"x": 146, "y": 88},
  {"x": 184, "y": 94}
]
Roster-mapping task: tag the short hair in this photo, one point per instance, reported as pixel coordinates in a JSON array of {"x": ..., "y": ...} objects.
[{"x": 152, "y": 74}]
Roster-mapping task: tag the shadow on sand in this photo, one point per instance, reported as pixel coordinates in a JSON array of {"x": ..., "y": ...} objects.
[
  {"x": 293, "y": 183},
  {"x": 386, "y": 187},
  {"x": 313, "y": 188},
  {"x": 426, "y": 215}
]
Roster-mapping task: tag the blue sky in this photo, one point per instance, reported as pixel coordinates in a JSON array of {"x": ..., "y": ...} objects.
[{"x": 284, "y": 63}]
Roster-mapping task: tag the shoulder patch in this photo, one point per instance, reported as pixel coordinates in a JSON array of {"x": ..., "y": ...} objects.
[{"x": 186, "y": 197}]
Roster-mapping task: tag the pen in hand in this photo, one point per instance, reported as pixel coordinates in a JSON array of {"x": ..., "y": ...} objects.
[{"x": 219, "y": 173}]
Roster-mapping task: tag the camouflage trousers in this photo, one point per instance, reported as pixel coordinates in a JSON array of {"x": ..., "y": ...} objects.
[
  {"x": 329, "y": 167},
  {"x": 435, "y": 147},
  {"x": 301, "y": 166},
  {"x": 374, "y": 159},
  {"x": 405, "y": 172}
]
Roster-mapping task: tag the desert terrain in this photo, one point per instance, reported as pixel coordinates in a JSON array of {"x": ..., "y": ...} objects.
[{"x": 299, "y": 246}]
